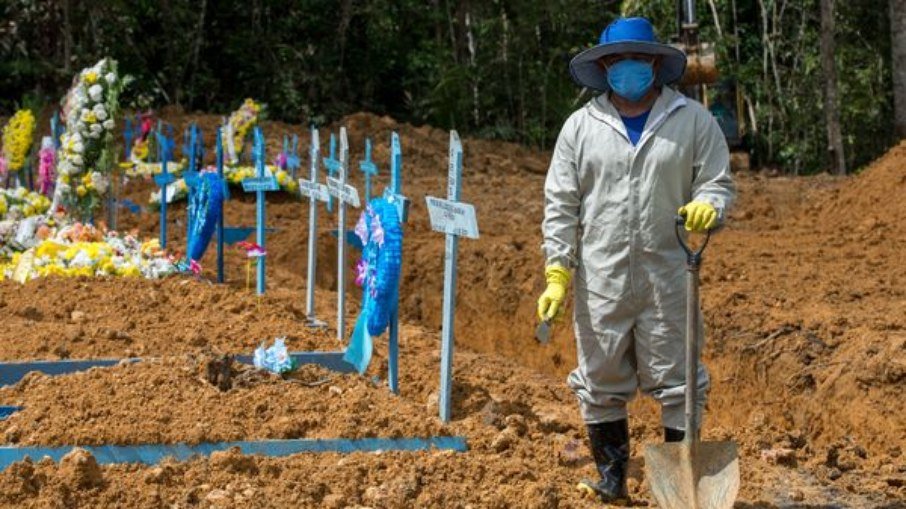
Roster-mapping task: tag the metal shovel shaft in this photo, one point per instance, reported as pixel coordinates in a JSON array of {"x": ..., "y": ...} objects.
[
  {"x": 692, "y": 474},
  {"x": 692, "y": 417}
]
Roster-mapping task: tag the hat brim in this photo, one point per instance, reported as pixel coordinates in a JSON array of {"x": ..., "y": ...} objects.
[{"x": 586, "y": 70}]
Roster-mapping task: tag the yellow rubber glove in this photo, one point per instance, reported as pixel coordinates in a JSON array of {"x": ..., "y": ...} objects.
[
  {"x": 700, "y": 216},
  {"x": 550, "y": 305}
]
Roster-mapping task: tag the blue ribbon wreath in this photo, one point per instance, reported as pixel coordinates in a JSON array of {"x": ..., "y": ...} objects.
[
  {"x": 378, "y": 273},
  {"x": 205, "y": 208}
]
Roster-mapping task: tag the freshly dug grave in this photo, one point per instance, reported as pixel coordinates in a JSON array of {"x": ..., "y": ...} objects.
[
  {"x": 202, "y": 399},
  {"x": 805, "y": 310},
  {"x": 60, "y": 318}
]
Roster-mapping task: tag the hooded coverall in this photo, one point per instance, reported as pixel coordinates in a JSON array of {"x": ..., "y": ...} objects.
[{"x": 609, "y": 213}]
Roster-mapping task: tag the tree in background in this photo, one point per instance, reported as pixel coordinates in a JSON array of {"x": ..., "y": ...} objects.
[
  {"x": 494, "y": 68},
  {"x": 831, "y": 106},
  {"x": 898, "y": 49}
]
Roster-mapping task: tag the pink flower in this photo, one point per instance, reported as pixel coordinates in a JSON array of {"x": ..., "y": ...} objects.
[
  {"x": 252, "y": 250},
  {"x": 361, "y": 229},
  {"x": 361, "y": 271},
  {"x": 281, "y": 161},
  {"x": 195, "y": 267},
  {"x": 147, "y": 124},
  {"x": 377, "y": 230},
  {"x": 46, "y": 176}
]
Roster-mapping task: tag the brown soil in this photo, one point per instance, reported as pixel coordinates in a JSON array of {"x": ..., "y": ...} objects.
[{"x": 803, "y": 295}]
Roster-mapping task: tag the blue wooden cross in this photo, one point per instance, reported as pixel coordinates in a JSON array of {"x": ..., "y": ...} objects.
[
  {"x": 293, "y": 161},
  {"x": 260, "y": 184},
  {"x": 316, "y": 192},
  {"x": 192, "y": 150},
  {"x": 369, "y": 169},
  {"x": 163, "y": 179},
  {"x": 455, "y": 219},
  {"x": 332, "y": 165},
  {"x": 345, "y": 194},
  {"x": 395, "y": 195}
]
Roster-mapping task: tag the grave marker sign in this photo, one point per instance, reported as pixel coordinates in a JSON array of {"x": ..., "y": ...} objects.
[{"x": 454, "y": 219}]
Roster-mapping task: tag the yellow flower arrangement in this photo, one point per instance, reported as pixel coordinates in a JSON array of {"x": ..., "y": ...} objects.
[
  {"x": 111, "y": 256},
  {"x": 141, "y": 169},
  {"x": 17, "y": 139},
  {"x": 20, "y": 203},
  {"x": 240, "y": 123}
]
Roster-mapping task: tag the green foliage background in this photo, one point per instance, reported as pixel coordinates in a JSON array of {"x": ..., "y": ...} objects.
[{"x": 493, "y": 68}]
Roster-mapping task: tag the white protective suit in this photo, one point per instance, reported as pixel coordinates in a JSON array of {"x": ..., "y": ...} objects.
[{"x": 609, "y": 213}]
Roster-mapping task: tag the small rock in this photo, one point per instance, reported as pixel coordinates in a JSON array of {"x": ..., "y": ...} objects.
[
  {"x": 503, "y": 441},
  {"x": 432, "y": 402},
  {"x": 796, "y": 496},
  {"x": 570, "y": 451},
  {"x": 81, "y": 469},
  {"x": 334, "y": 501},
  {"x": 516, "y": 423},
  {"x": 333, "y": 389},
  {"x": 218, "y": 497},
  {"x": 554, "y": 421},
  {"x": 13, "y": 434},
  {"x": 77, "y": 316},
  {"x": 75, "y": 334},
  {"x": 232, "y": 460},
  {"x": 61, "y": 351},
  {"x": 779, "y": 456},
  {"x": 374, "y": 495},
  {"x": 158, "y": 475},
  {"x": 490, "y": 414}
]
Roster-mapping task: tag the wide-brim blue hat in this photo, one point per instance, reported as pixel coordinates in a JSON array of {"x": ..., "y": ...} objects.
[{"x": 627, "y": 35}]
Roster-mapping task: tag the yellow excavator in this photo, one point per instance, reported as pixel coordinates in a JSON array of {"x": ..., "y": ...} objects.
[{"x": 702, "y": 82}]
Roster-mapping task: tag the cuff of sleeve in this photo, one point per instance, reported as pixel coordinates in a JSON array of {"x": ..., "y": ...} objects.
[{"x": 557, "y": 273}]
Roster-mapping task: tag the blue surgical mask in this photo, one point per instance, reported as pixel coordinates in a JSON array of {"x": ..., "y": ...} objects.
[{"x": 631, "y": 79}]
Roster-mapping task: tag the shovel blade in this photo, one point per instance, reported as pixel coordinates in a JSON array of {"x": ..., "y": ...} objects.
[
  {"x": 705, "y": 476},
  {"x": 543, "y": 332}
]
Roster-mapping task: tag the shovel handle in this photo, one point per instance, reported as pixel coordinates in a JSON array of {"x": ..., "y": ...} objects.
[{"x": 693, "y": 256}]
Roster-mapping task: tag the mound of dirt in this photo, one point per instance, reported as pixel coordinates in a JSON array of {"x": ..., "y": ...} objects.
[
  {"x": 87, "y": 317},
  {"x": 172, "y": 400}
]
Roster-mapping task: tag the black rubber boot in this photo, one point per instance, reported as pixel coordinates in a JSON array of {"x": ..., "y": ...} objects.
[
  {"x": 674, "y": 435},
  {"x": 610, "y": 448}
]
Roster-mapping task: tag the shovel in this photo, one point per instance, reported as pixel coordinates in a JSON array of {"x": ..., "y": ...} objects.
[{"x": 692, "y": 474}]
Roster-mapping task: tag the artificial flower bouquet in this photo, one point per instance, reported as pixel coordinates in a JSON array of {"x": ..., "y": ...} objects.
[
  {"x": 18, "y": 136},
  {"x": 147, "y": 170},
  {"x": 238, "y": 127},
  {"x": 20, "y": 203},
  {"x": 87, "y": 153},
  {"x": 83, "y": 250},
  {"x": 178, "y": 190}
]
